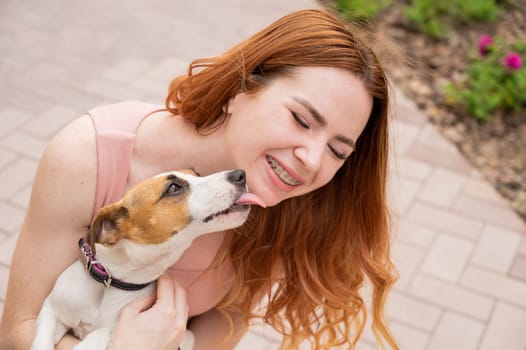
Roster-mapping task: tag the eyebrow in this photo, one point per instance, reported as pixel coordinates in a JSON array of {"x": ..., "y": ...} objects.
[{"x": 321, "y": 120}]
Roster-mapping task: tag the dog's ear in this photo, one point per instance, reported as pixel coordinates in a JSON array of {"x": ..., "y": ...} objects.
[{"x": 105, "y": 228}]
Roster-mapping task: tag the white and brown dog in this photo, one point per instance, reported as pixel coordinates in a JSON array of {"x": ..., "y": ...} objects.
[{"x": 136, "y": 240}]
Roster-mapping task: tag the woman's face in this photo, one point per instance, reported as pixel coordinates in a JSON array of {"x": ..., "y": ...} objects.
[{"x": 295, "y": 133}]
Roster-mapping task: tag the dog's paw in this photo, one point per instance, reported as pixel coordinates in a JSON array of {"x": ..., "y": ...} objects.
[
  {"x": 99, "y": 339},
  {"x": 37, "y": 345},
  {"x": 188, "y": 341}
]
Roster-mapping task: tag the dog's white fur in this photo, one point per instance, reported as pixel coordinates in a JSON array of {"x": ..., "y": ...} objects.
[{"x": 80, "y": 303}]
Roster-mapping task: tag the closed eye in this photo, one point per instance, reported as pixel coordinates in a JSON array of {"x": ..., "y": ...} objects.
[
  {"x": 300, "y": 120},
  {"x": 338, "y": 154}
]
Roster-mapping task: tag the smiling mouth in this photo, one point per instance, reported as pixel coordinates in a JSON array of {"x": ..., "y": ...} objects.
[{"x": 283, "y": 175}]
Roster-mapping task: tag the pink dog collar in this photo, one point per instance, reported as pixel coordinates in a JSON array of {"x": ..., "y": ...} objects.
[{"x": 101, "y": 274}]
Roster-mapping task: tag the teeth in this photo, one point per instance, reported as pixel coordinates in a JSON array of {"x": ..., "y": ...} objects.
[
  {"x": 282, "y": 173},
  {"x": 232, "y": 209}
]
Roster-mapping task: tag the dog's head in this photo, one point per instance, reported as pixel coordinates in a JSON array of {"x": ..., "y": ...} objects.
[{"x": 174, "y": 203}]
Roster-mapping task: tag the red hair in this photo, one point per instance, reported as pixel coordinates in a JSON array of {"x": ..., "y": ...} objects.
[{"x": 322, "y": 246}]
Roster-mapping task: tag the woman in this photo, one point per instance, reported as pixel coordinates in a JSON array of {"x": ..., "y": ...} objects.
[{"x": 302, "y": 107}]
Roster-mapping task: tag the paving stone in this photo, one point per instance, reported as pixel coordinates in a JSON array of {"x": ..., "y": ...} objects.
[
  {"x": 152, "y": 90},
  {"x": 114, "y": 91},
  {"x": 72, "y": 97},
  {"x": 362, "y": 345},
  {"x": 518, "y": 268},
  {"x": 451, "y": 297},
  {"x": 16, "y": 176},
  {"x": 436, "y": 156},
  {"x": 488, "y": 211},
  {"x": 22, "y": 100},
  {"x": 412, "y": 232},
  {"x": 447, "y": 257},
  {"x": 522, "y": 246},
  {"x": 456, "y": 332},
  {"x": 401, "y": 192},
  {"x": 24, "y": 144},
  {"x": 254, "y": 339},
  {"x": 476, "y": 187},
  {"x": 403, "y": 134},
  {"x": 407, "y": 110},
  {"x": 495, "y": 285},
  {"x": 6, "y": 157},
  {"x": 11, "y": 119},
  {"x": 446, "y": 220},
  {"x": 11, "y": 217},
  {"x": 7, "y": 247},
  {"x": 4, "y": 276},
  {"x": 499, "y": 259},
  {"x": 406, "y": 114},
  {"x": 410, "y": 168},
  {"x": 127, "y": 70},
  {"x": 409, "y": 338},
  {"x": 407, "y": 259},
  {"x": 429, "y": 136},
  {"x": 21, "y": 199},
  {"x": 506, "y": 329},
  {"x": 168, "y": 69},
  {"x": 51, "y": 121},
  {"x": 442, "y": 187},
  {"x": 412, "y": 312}
]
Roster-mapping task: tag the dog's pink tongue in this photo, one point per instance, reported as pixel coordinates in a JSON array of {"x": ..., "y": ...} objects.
[{"x": 251, "y": 199}]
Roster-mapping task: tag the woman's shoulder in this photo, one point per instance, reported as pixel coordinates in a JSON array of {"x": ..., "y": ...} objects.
[
  {"x": 122, "y": 116},
  {"x": 74, "y": 144},
  {"x": 68, "y": 167}
]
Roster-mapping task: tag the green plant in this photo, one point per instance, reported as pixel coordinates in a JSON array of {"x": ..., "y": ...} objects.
[
  {"x": 362, "y": 10},
  {"x": 496, "y": 79},
  {"x": 435, "y": 17}
]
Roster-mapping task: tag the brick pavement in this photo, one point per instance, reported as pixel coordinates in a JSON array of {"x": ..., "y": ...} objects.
[{"x": 460, "y": 250}]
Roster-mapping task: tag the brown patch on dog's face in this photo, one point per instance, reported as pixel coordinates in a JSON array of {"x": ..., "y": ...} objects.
[
  {"x": 150, "y": 213},
  {"x": 189, "y": 172}
]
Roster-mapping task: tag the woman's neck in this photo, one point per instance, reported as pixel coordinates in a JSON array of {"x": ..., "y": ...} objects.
[{"x": 166, "y": 142}]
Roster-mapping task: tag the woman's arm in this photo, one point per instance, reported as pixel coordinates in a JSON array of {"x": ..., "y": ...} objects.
[
  {"x": 57, "y": 216},
  {"x": 58, "y": 213}
]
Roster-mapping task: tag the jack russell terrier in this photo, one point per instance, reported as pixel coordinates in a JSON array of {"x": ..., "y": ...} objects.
[{"x": 135, "y": 241}]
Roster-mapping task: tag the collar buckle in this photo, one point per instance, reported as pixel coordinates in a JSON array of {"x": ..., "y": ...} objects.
[
  {"x": 84, "y": 257},
  {"x": 100, "y": 273}
]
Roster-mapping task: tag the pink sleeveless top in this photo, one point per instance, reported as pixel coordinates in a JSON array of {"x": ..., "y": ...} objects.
[{"x": 115, "y": 128}]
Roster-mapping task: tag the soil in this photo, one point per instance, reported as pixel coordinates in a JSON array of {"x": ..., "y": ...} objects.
[{"x": 497, "y": 148}]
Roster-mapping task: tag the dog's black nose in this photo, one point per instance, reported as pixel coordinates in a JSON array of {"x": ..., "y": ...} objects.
[{"x": 237, "y": 177}]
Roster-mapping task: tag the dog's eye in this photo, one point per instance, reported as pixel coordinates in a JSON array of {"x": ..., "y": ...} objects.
[{"x": 173, "y": 189}]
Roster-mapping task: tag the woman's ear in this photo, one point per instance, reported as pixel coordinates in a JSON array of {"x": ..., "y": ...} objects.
[{"x": 229, "y": 106}]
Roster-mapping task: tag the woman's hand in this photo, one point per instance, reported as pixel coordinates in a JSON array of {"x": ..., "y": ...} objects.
[{"x": 157, "y": 321}]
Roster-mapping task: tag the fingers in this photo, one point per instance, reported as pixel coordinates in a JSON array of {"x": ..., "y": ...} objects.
[
  {"x": 180, "y": 300},
  {"x": 140, "y": 304},
  {"x": 171, "y": 299},
  {"x": 157, "y": 321},
  {"x": 165, "y": 292}
]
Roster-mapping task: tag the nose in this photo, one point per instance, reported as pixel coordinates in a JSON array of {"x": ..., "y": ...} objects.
[
  {"x": 237, "y": 177},
  {"x": 310, "y": 154}
]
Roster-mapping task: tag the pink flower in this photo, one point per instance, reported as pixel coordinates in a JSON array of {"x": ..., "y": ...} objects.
[
  {"x": 484, "y": 42},
  {"x": 513, "y": 61}
]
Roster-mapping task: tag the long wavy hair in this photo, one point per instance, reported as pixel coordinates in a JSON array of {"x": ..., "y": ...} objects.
[{"x": 309, "y": 255}]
